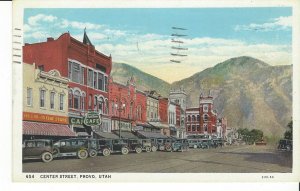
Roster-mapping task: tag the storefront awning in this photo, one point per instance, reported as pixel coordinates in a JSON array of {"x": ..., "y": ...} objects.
[
  {"x": 151, "y": 134},
  {"x": 82, "y": 134},
  {"x": 159, "y": 125},
  {"x": 37, "y": 128},
  {"x": 106, "y": 135},
  {"x": 126, "y": 135}
]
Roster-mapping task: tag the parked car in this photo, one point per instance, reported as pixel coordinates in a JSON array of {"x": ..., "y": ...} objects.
[
  {"x": 285, "y": 144},
  {"x": 108, "y": 146},
  {"x": 38, "y": 149},
  {"x": 180, "y": 145},
  {"x": 217, "y": 142},
  {"x": 135, "y": 145},
  {"x": 149, "y": 145},
  {"x": 206, "y": 143},
  {"x": 80, "y": 147},
  {"x": 194, "y": 143}
]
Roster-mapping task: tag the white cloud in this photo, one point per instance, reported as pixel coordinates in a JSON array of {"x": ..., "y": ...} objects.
[
  {"x": 34, "y": 20},
  {"x": 64, "y": 23},
  {"x": 280, "y": 23}
]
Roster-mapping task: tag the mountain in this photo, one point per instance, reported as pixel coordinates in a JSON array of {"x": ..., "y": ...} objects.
[
  {"x": 248, "y": 92},
  {"x": 122, "y": 72}
]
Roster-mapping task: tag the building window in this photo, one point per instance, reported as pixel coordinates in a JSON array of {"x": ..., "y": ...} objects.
[
  {"x": 95, "y": 103},
  {"x": 52, "y": 98},
  {"x": 193, "y": 128},
  {"x": 193, "y": 118},
  {"x": 90, "y": 78},
  {"x": 82, "y": 75},
  {"x": 205, "y": 108},
  {"x": 205, "y": 117},
  {"x": 205, "y": 127},
  {"x": 198, "y": 127},
  {"x": 75, "y": 72},
  {"x": 61, "y": 102},
  {"x": 100, "y": 81},
  {"x": 76, "y": 100},
  {"x": 101, "y": 105},
  {"x": 42, "y": 98},
  {"x": 198, "y": 117},
  {"x": 83, "y": 102},
  {"x": 29, "y": 96},
  {"x": 188, "y": 128}
]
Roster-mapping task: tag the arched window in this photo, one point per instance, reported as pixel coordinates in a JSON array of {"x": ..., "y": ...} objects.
[
  {"x": 198, "y": 117},
  {"x": 90, "y": 101},
  {"x": 83, "y": 101},
  {"x": 193, "y": 118},
  {"x": 189, "y": 118},
  {"x": 76, "y": 99},
  {"x": 101, "y": 105}
]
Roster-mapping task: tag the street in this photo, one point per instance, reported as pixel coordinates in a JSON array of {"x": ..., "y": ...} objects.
[{"x": 230, "y": 159}]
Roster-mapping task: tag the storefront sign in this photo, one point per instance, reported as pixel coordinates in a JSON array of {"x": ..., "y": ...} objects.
[
  {"x": 92, "y": 119},
  {"x": 28, "y": 116},
  {"x": 75, "y": 121}
]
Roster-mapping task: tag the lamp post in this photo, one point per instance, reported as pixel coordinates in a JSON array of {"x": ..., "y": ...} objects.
[{"x": 120, "y": 107}]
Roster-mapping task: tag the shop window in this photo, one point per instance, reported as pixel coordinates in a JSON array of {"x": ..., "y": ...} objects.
[{"x": 90, "y": 77}]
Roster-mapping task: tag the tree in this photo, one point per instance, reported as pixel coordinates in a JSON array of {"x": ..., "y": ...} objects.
[
  {"x": 250, "y": 136},
  {"x": 289, "y": 133}
]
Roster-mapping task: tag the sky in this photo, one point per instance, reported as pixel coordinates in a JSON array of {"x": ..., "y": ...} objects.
[{"x": 142, "y": 37}]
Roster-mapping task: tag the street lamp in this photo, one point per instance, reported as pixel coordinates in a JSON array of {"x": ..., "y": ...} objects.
[{"x": 120, "y": 107}]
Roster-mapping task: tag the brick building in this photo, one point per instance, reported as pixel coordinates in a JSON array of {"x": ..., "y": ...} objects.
[
  {"x": 208, "y": 116},
  {"x": 192, "y": 121},
  {"x": 163, "y": 113},
  {"x": 88, "y": 71}
]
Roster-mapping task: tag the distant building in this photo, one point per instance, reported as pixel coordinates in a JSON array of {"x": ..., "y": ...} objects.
[
  {"x": 192, "y": 121},
  {"x": 208, "y": 116},
  {"x": 178, "y": 96},
  {"x": 163, "y": 113}
]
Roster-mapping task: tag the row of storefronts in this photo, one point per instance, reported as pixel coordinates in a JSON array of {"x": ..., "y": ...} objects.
[{"x": 72, "y": 94}]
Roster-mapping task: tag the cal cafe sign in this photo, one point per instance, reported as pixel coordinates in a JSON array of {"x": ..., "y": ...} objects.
[{"x": 92, "y": 119}]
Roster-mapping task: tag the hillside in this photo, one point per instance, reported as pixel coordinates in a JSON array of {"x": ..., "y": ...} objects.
[
  {"x": 249, "y": 92},
  {"x": 122, "y": 72}
]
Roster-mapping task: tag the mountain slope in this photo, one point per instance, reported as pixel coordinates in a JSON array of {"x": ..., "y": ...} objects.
[
  {"x": 122, "y": 72},
  {"x": 247, "y": 91}
]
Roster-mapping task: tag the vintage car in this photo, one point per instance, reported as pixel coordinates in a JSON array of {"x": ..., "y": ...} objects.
[
  {"x": 165, "y": 144},
  {"x": 285, "y": 144},
  {"x": 194, "y": 143},
  {"x": 108, "y": 146},
  {"x": 180, "y": 145},
  {"x": 217, "y": 142},
  {"x": 149, "y": 145},
  {"x": 134, "y": 145},
  {"x": 206, "y": 143},
  {"x": 80, "y": 147},
  {"x": 38, "y": 149}
]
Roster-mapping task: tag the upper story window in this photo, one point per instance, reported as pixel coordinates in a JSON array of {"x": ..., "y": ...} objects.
[
  {"x": 205, "y": 108},
  {"x": 90, "y": 77},
  {"x": 97, "y": 80},
  {"x": 189, "y": 118},
  {"x": 29, "y": 96},
  {"x": 76, "y": 72},
  {"x": 61, "y": 102},
  {"x": 193, "y": 118},
  {"x": 52, "y": 98},
  {"x": 42, "y": 98},
  {"x": 198, "y": 118},
  {"x": 205, "y": 117},
  {"x": 76, "y": 100}
]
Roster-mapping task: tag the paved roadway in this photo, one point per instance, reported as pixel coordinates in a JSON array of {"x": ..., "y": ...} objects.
[{"x": 230, "y": 159}]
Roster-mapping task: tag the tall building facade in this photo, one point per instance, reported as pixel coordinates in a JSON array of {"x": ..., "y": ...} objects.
[
  {"x": 87, "y": 70},
  {"x": 208, "y": 116},
  {"x": 45, "y": 107}
]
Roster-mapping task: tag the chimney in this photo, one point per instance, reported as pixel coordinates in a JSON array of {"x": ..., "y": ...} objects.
[{"x": 50, "y": 39}]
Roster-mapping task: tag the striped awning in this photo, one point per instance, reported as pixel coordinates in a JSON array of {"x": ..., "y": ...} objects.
[
  {"x": 147, "y": 134},
  {"x": 37, "y": 128}
]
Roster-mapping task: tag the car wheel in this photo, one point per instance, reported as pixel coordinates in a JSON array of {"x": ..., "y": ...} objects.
[
  {"x": 125, "y": 151},
  {"x": 106, "y": 152},
  {"x": 161, "y": 148},
  {"x": 138, "y": 150},
  {"x": 154, "y": 148},
  {"x": 82, "y": 154},
  {"x": 148, "y": 149},
  {"x": 195, "y": 146},
  {"x": 47, "y": 157},
  {"x": 168, "y": 148},
  {"x": 93, "y": 153}
]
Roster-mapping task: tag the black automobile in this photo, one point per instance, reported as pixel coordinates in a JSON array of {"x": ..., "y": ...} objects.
[
  {"x": 38, "y": 149},
  {"x": 180, "y": 145},
  {"x": 217, "y": 142},
  {"x": 80, "y": 147},
  {"x": 108, "y": 146},
  {"x": 165, "y": 144},
  {"x": 134, "y": 145},
  {"x": 285, "y": 144},
  {"x": 149, "y": 145},
  {"x": 194, "y": 143}
]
